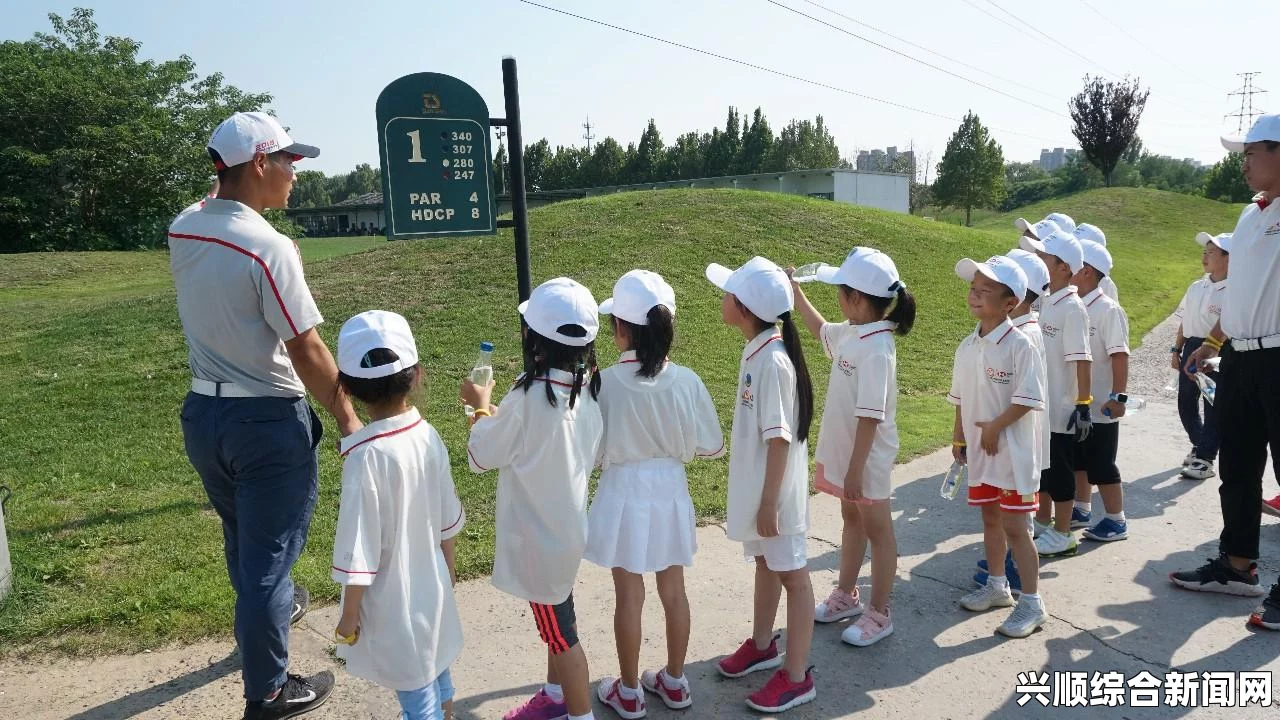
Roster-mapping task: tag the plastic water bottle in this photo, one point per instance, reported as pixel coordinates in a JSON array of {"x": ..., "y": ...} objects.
[
  {"x": 1132, "y": 407},
  {"x": 482, "y": 372},
  {"x": 807, "y": 273},
  {"x": 958, "y": 475},
  {"x": 1208, "y": 388}
]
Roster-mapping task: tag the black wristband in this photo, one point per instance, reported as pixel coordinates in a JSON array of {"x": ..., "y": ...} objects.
[{"x": 1176, "y": 350}]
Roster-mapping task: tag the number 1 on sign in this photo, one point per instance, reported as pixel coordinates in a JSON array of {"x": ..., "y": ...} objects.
[{"x": 415, "y": 138}]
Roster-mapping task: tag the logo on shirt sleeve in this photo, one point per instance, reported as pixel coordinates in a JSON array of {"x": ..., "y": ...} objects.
[{"x": 748, "y": 399}]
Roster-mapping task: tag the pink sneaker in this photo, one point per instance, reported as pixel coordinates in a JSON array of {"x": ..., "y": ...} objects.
[
  {"x": 538, "y": 707},
  {"x": 1272, "y": 506},
  {"x": 838, "y": 606},
  {"x": 610, "y": 693},
  {"x": 870, "y": 628},
  {"x": 780, "y": 694},
  {"x": 659, "y": 683},
  {"x": 747, "y": 659}
]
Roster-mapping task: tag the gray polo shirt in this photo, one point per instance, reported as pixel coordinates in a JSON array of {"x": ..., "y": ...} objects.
[{"x": 241, "y": 294}]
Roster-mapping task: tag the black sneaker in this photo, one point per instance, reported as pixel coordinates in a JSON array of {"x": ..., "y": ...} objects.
[
  {"x": 1218, "y": 576},
  {"x": 1267, "y": 615},
  {"x": 298, "y": 696},
  {"x": 301, "y": 603}
]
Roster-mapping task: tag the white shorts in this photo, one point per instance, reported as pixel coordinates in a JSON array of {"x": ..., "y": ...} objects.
[{"x": 782, "y": 553}]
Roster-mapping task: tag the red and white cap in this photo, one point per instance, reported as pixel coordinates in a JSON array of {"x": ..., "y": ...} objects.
[
  {"x": 1058, "y": 244},
  {"x": 635, "y": 294},
  {"x": 998, "y": 268},
  {"x": 238, "y": 138},
  {"x": 373, "y": 330},
  {"x": 1222, "y": 240},
  {"x": 1033, "y": 267},
  {"x": 558, "y": 303},
  {"x": 759, "y": 284},
  {"x": 866, "y": 270}
]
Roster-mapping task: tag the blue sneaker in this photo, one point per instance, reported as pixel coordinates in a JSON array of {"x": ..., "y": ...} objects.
[
  {"x": 1008, "y": 563},
  {"x": 1080, "y": 518},
  {"x": 1108, "y": 531},
  {"x": 1015, "y": 580}
]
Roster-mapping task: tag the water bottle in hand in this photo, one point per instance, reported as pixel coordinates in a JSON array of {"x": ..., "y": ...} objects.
[
  {"x": 482, "y": 371},
  {"x": 1208, "y": 388},
  {"x": 958, "y": 475},
  {"x": 807, "y": 273}
]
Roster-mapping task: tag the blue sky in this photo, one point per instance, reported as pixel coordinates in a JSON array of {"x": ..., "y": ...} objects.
[{"x": 326, "y": 61}]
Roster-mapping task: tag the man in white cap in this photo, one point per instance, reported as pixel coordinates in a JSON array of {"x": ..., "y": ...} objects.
[
  {"x": 1248, "y": 394},
  {"x": 250, "y": 325}
]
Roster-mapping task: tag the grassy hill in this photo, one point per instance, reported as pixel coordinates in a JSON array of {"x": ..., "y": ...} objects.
[{"x": 113, "y": 544}]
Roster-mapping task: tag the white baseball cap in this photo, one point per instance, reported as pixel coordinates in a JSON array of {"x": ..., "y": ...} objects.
[
  {"x": 1222, "y": 240},
  {"x": 1096, "y": 256},
  {"x": 1033, "y": 267},
  {"x": 759, "y": 284},
  {"x": 559, "y": 302},
  {"x": 635, "y": 294},
  {"x": 1062, "y": 220},
  {"x": 1085, "y": 231},
  {"x": 1264, "y": 128},
  {"x": 238, "y": 138},
  {"x": 370, "y": 331},
  {"x": 1041, "y": 229},
  {"x": 1058, "y": 244},
  {"x": 866, "y": 270},
  {"x": 998, "y": 268}
]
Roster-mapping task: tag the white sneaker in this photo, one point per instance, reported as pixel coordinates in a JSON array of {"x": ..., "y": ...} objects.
[
  {"x": 869, "y": 629},
  {"x": 987, "y": 597},
  {"x": 1025, "y": 618},
  {"x": 1190, "y": 458},
  {"x": 1198, "y": 469},
  {"x": 1052, "y": 543},
  {"x": 1037, "y": 529},
  {"x": 838, "y": 606}
]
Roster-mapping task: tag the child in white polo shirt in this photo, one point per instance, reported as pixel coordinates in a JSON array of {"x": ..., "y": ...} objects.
[
  {"x": 544, "y": 440},
  {"x": 1065, "y": 325},
  {"x": 1199, "y": 311},
  {"x": 1109, "y": 345},
  {"x": 858, "y": 441},
  {"x": 1086, "y": 232},
  {"x": 997, "y": 381},
  {"x": 657, "y": 416},
  {"x": 399, "y": 513},
  {"x": 1026, "y": 320},
  {"x": 768, "y": 477}
]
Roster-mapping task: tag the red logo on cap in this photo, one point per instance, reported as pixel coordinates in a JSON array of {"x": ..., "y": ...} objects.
[{"x": 266, "y": 146}]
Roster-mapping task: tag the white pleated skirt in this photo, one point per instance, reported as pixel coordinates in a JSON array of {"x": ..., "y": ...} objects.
[{"x": 642, "y": 518}]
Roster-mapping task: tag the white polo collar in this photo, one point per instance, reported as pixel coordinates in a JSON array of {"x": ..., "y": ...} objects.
[
  {"x": 386, "y": 427},
  {"x": 1057, "y": 297},
  {"x": 758, "y": 343},
  {"x": 875, "y": 328},
  {"x": 997, "y": 334}
]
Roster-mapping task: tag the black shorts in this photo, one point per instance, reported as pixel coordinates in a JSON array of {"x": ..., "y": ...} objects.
[
  {"x": 1098, "y": 454},
  {"x": 557, "y": 625},
  {"x": 1059, "y": 481}
]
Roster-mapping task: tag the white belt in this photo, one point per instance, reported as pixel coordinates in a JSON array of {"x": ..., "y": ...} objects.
[
  {"x": 215, "y": 389},
  {"x": 1247, "y": 344}
]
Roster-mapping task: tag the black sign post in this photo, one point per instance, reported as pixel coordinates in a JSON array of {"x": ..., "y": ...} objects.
[{"x": 437, "y": 161}]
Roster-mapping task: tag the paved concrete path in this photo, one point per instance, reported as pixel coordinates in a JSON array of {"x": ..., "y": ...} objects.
[{"x": 1112, "y": 608}]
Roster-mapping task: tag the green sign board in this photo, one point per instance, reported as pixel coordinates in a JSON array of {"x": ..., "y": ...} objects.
[{"x": 437, "y": 169}]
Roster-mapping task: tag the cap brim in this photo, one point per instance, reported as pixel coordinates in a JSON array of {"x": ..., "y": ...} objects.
[
  {"x": 606, "y": 307},
  {"x": 718, "y": 275},
  {"x": 1204, "y": 238},
  {"x": 1022, "y": 225},
  {"x": 1030, "y": 244},
  {"x": 306, "y": 151},
  {"x": 1234, "y": 143},
  {"x": 967, "y": 268},
  {"x": 523, "y": 306}
]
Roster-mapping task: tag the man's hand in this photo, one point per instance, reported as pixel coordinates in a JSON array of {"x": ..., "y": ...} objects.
[
  {"x": 1113, "y": 409},
  {"x": 1081, "y": 422},
  {"x": 1196, "y": 362}
]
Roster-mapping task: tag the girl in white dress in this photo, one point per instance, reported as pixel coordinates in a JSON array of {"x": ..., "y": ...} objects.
[{"x": 657, "y": 417}]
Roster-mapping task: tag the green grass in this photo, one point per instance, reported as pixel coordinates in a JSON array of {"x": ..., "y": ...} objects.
[{"x": 113, "y": 545}]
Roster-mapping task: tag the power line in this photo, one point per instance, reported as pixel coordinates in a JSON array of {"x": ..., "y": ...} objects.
[
  {"x": 762, "y": 68},
  {"x": 1245, "y": 117},
  {"x": 1150, "y": 49},
  {"x": 916, "y": 59},
  {"x": 905, "y": 41},
  {"x": 1052, "y": 39}
]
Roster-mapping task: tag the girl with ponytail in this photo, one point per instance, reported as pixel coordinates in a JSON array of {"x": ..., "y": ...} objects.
[
  {"x": 657, "y": 417},
  {"x": 768, "y": 509},
  {"x": 859, "y": 438}
]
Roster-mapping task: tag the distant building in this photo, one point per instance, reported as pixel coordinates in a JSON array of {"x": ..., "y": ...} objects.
[
  {"x": 1051, "y": 160},
  {"x": 887, "y": 160}
]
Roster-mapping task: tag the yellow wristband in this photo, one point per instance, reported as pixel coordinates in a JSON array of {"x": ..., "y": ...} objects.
[
  {"x": 1086, "y": 401},
  {"x": 346, "y": 639},
  {"x": 1214, "y": 342},
  {"x": 958, "y": 444},
  {"x": 481, "y": 412}
]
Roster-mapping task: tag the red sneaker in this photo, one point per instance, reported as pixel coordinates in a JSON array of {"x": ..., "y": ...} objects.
[
  {"x": 658, "y": 684},
  {"x": 780, "y": 694},
  {"x": 747, "y": 659},
  {"x": 1272, "y": 506},
  {"x": 610, "y": 693}
]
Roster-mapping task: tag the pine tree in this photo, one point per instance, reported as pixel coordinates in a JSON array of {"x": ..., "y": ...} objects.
[{"x": 971, "y": 173}]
